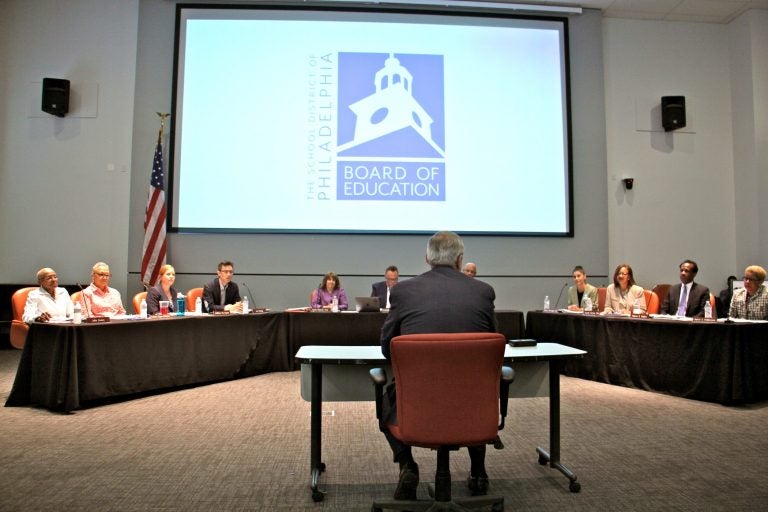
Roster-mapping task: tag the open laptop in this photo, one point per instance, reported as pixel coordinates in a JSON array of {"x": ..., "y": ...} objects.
[{"x": 367, "y": 304}]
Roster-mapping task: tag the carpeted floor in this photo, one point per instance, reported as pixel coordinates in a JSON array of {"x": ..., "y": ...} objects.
[{"x": 244, "y": 445}]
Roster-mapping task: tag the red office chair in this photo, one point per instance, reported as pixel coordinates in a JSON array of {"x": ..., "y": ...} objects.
[
  {"x": 18, "y": 333},
  {"x": 601, "y": 298},
  {"x": 651, "y": 302},
  {"x": 450, "y": 391},
  {"x": 192, "y": 296}
]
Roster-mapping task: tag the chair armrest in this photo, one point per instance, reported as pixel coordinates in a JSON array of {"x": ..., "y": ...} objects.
[
  {"x": 507, "y": 376},
  {"x": 379, "y": 378}
]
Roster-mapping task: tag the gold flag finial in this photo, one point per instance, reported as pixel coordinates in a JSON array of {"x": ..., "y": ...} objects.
[{"x": 162, "y": 116}]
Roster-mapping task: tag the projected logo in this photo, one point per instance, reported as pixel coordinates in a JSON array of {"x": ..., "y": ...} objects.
[{"x": 391, "y": 127}]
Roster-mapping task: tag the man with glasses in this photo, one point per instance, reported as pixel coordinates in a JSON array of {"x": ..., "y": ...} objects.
[
  {"x": 48, "y": 301},
  {"x": 751, "y": 302},
  {"x": 221, "y": 294},
  {"x": 98, "y": 298},
  {"x": 382, "y": 288}
]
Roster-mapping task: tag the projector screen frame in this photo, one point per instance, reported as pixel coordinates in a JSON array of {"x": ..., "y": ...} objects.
[{"x": 347, "y": 7}]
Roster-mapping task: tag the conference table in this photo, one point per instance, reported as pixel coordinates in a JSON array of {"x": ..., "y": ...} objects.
[
  {"x": 65, "y": 367},
  {"x": 718, "y": 362},
  {"x": 340, "y": 373}
]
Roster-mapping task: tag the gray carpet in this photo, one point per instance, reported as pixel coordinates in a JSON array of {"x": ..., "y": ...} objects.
[{"x": 244, "y": 445}]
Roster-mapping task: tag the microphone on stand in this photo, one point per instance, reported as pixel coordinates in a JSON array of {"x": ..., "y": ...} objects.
[
  {"x": 85, "y": 301},
  {"x": 249, "y": 291},
  {"x": 560, "y": 294}
]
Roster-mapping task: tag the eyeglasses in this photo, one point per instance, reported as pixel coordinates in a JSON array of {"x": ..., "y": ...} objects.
[
  {"x": 751, "y": 279},
  {"x": 102, "y": 274},
  {"x": 50, "y": 277}
]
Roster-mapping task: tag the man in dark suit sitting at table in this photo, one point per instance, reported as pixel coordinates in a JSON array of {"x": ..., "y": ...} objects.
[
  {"x": 689, "y": 301},
  {"x": 382, "y": 289},
  {"x": 442, "y": 299},
  {"x": 221, "y": 294}
]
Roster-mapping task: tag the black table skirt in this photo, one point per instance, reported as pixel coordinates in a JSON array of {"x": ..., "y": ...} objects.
[
  {"x": 724, "y": 363},
  {"x": 65, "y": 367}
]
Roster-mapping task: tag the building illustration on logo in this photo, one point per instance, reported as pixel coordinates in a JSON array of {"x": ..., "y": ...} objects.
[{"x": 390, "y": 108}]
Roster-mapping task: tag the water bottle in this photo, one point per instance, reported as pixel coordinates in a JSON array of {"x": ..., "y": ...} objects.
[
  {"x": 143, "y": 308},
  {"x": 587, "y": 304},
  {"x": 708, "y": 310},
  {"x": 546, "y": 303},
  {"x": 636, "y": 309},
  {"x": 335, "y": 304},
  {"x": 77, "y": 313},
  {"x": 198, "y": 306},
  {"x": 246, "y": 309},
  {"x": 180, "y": 305}
]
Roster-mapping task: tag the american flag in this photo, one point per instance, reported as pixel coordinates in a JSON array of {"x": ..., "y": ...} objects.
[{"x": 153, "y": 251}]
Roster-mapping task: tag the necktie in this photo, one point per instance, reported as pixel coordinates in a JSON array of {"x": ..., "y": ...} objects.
[
  {"x": 223, "y": 295},
  {"x": 683, "y": 302}
]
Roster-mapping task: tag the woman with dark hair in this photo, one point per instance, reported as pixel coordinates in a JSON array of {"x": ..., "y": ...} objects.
[
  {"x": 329, "y": 289},
  {"x": 581, "y": 290},
  {"x": 624, "y": 295}
]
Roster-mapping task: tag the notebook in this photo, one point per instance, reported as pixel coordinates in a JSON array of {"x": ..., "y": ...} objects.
[{"x": 367, "y": 304}]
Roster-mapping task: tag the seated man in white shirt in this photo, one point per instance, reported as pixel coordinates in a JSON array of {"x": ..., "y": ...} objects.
[{"x": 48, "y": 301}]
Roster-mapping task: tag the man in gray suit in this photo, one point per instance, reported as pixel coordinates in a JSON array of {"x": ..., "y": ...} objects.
[
  {"x": 692, "y": 299},
  {"x": 442, "y": 299}
]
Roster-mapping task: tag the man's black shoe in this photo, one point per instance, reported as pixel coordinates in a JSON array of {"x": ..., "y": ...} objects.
[
  {"x": 409, "y": 481},
  {"x": 478, "y": 485}
]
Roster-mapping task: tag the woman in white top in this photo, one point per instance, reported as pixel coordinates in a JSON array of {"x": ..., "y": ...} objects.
[{"x": 624, "y": 294}]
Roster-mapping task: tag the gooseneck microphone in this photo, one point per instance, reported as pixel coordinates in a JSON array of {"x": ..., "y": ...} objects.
[
  {"x": 560, "y": 295},
  {"x": 249, "y": 291},
  {"x": 85, "y": 301}
]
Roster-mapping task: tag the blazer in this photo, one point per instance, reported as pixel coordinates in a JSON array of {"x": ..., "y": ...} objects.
[
  {"x": 589, "y": 291},
  {"x": 697, "y": 297},
  {"x": 380, "y": 290},
  {"x": 212, "y": 296},
  {"x": 155, "y": 295},
  {"x": 439, "y": 300}
]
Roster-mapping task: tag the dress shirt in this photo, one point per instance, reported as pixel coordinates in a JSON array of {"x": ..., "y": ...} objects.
[
  {"x": 756, "y": 308},
  {"x": 102, "y": 303},
  {"x": 323, "y": 298},
  {"x": 39, "y": 301}
]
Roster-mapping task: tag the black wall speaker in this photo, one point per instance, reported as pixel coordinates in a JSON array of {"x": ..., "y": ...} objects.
[
  {"x": 672, "y": 112},
  {"x": 55, "y": 96}
]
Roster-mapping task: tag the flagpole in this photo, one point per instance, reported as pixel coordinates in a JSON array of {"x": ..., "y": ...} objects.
[{"x": 154, "y": 246}]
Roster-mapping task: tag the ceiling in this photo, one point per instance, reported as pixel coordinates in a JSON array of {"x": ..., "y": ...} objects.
[{"x": 706, "y": 11}]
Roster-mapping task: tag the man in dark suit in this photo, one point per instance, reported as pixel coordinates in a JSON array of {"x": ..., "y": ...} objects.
[
  {"x": 222, "y": 294},
  {"x": 689, "y": 301},
  {"x": 382, "y": 289},
  {"x": 442, "y": 299}
]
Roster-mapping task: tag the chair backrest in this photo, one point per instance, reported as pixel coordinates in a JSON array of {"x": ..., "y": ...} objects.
[
  {"x": 713, "y": 303},
  {"x": 192, "y": 296},
  {"x": 18, "y": 300},
  {"x": 601, "y": 298},
  {"x": 77, "y": 297},
  {"x": 312, "y": 296},
  {"x": 651, "y": 302},
  {"x": 137, "y": 301},
  {"x": 447, "y": 387},
  {"x": 661, "y": 290}
]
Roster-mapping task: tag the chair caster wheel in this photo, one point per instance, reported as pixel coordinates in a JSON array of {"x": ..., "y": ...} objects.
[
  {"x": 374, "y": 508},
  {"x": 542, "y": 460},
  {"x": 498, "y": 507},
  {"x": 322, "y": 466},
  {"x": 574, "y": 487},
  {"x": 317, "y": 496}
]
